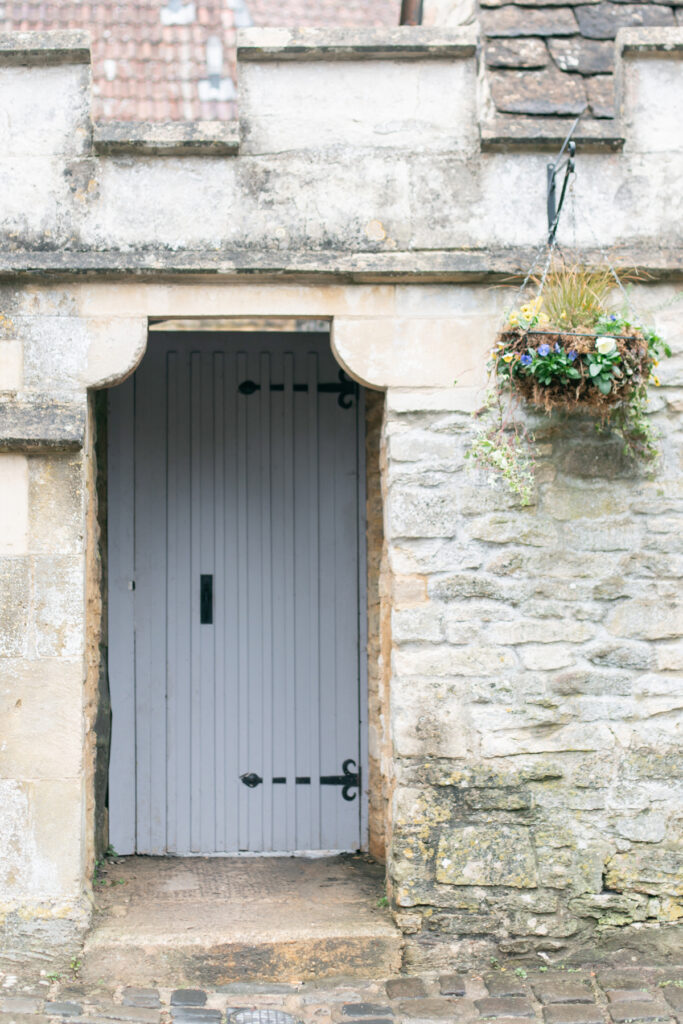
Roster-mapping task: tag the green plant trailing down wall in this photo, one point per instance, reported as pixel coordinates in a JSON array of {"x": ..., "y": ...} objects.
[{"x": 568, "y": 350}]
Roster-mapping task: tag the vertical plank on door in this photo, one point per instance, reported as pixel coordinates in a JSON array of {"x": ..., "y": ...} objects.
[
  {"x": 266, "y": 610},
  {"x": 121, "y": 569},
  {"x": 242, "y": 688},
  {"x": 150, "y": 601},
  {"x": 207, "y": 632},
  {"x": 195, "y": 723},
  {"x": 313, "y": 676},
  {"x": 232, "y": 614},
  {"x": 289, "y": 567},
  {"x": 219, "y": 589}
]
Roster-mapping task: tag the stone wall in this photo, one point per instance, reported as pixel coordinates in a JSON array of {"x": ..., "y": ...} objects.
[
  {"x": 536, "y": 695},
  {"x": 527, "y": 657}
]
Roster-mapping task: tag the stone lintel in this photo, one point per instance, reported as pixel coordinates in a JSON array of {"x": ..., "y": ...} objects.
[
  {"x": 60, "y": 47},
  {"x": 546, "y": 134},
  {"x": 261, "y": 44},
  {"x": 424, "y": 267},
  {"x": 41, "y": 425},
  {"x": 654, "y": 42},
  {"x": 168, "y": 138}
]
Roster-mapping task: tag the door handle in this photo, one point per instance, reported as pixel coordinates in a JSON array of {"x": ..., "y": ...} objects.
[{"x": 206, "y": 600}]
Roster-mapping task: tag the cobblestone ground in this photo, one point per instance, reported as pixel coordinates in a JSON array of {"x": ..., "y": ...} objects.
[{"x": 499, "y": 996}]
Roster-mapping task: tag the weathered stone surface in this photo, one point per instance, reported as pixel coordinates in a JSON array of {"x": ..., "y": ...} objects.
[
  {"x": 600, "y": 90},
  {"x": 146, "y": 997},
  {"x": 501, "y": 855},
  {"x": 433, "y": 1008},
  {"x": 406, "y": 988},
  {"x": 651, "y": 870},
  {"x": 504, "y": 984},
  {"x": 211, "y": 138},
  {"x": 522, "y": 53},
  {"x": 646, "y": 619},
  {"x": 637, "y": 1010},
  {"x": 504, "y": 1006},
  {"x": 603, "y": 20},
  {"x": 452, "y": 985},
  {"x": 41, "y": 425},
  {"x": 511, "y": 20},
  {"x": 585, "y": 56},
  {"x": 538, "y": 92},
  {"x": 562, "y": 990},
  {"x": 572, "y": 1013}
]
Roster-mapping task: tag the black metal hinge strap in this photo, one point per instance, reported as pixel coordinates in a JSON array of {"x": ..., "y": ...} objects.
[
  {"x": 348, "y": 780},
  {"x": 344, "y": 387}
]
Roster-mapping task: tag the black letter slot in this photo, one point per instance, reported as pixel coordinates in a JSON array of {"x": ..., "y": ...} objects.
[{"x": 206, "y": 600}]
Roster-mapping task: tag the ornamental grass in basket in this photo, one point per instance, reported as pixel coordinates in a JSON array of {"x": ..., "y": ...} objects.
[{"x": 567, "y": 350}]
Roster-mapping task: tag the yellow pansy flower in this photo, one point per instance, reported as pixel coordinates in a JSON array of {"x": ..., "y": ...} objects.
[
  {"x": 656, "y": 381},
  {"x": 508, "y": 357}
]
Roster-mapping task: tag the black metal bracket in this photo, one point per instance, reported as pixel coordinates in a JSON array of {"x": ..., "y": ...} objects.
[
  {"x": 567, "y": 165},
  {"x": 348, "y": 780},
  {"x": 344, "y": 387}
]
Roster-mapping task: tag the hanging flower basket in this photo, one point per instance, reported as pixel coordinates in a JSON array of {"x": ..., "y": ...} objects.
[
  {"x": 553, "y": 368},
  {"x": 566, "y": 349}
]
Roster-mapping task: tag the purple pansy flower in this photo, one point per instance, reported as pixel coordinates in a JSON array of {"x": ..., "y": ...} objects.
[
  {"x": 613, "y": 317},
  {"x": 525, "y": 360},
  {"x": 571, "y": 356},
  {"x": 543, "y": 350},
  {"x": 557, "y": 347}
]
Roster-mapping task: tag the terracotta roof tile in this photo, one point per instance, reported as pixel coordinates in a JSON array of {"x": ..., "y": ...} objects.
[{"x": 144, "y": 69}]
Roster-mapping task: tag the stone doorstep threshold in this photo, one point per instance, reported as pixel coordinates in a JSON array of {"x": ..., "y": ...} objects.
[{"x": 210, "y": 922}]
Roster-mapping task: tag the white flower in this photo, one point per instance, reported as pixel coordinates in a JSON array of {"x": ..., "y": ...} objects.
[{"x": 605, "y": 345}]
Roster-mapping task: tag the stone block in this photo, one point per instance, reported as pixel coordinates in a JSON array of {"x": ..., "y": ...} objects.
[
  {"x": 63, "y": 1009},
  {"x": 541, "y": 631},
  {"x": 585, "y": 56},
  {"x": 600, "y": 90},
  {"x": 188, "y": 997},
  {"x": 628, "y": 995},
  {"x": 506, "y": 529},
  {"x": 20, "y": 1004},
  {"x": 572, "y": 1013},
  {"x": 406, "y": 988},
  {"x": 504, "y": 984},
  {"x": 423, "y": 623},
  {"x": 511, "y": 21},
  {"x": 603, "y": 20},
  {"x": 563, "y": 990},
  {"x": 428, "y": 721},
  {"x": 523, "y": 53},
  {"x": 11, "y": 364},
  {"x": 434, "y": 1008},
  {"x": 674, "y": 997},
  {"x": 56, "y": 504},
  {"x": 546, "y": 657},
  {"x": 145, "y": 997},
  {"x": 42, "y": 424},
  {"x": 644, "y": 619},
  {"x": 15, "y": 590},
  {"x": 477, "y": 855},
  {"x": 504, "y": 1006},
  {"x": 544, "y": 92},
  {"x": 444, "y": 660},
  {"x": 652, "y": 870},
  {"x": 14, "y": 507},
  {"x": 59, "y": 606},
  {"x": 41, "y": 711},
  {"x": 637, "y": 1010},
  {"x": 423, "y": 512},
  {"x": 452, "y": 984}
]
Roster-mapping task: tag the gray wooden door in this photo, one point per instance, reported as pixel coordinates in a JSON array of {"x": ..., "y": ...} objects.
[{"x": 235, "y": 578}]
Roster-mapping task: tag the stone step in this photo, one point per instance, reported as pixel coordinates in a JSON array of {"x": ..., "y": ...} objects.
[{"x": 210, "y": 922}]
